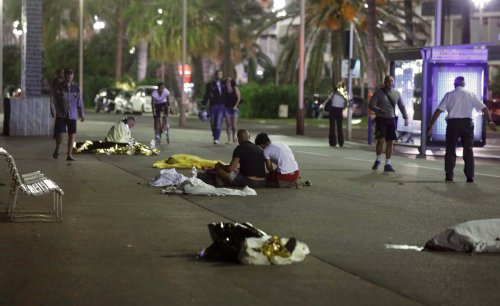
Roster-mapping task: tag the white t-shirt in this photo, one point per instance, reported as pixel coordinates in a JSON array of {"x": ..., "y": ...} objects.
[
  {"x": 459, "y": 103},
  {"x": 282, "y": 156},
  {"x": 338, "y": 101},
  {"x": 157, "y": 98}
]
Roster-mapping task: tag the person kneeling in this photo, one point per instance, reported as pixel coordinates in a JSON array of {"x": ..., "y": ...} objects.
[
  {"x": 252, "y": 172},
  {"x": 287, "y": 173},
  {"x": 120, "y": 132}
]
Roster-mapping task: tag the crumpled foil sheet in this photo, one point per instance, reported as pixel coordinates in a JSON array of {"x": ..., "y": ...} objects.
[{"x": 111, "y": 148}]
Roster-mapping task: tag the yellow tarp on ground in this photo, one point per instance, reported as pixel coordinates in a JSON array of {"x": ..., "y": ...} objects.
[{"x": 185, "y": 161}]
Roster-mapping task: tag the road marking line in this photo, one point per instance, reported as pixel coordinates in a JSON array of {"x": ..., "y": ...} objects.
[
  {"x": 319, "y": 154},
  {"x": 424, "y": 167},
  {"x": 365, "y": 160}
]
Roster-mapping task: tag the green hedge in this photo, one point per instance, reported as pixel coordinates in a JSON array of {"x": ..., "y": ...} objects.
[{"x": 263, "y": 100}]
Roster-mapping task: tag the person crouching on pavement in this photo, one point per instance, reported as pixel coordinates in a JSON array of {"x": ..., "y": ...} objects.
[
  {"x": 383, "y": 104},
  {"x": 459, "y": 104},
  {"x": 252, "y": 172},
  {"x": 120, "y": 132},
  {"x": 287, "y": 172}
]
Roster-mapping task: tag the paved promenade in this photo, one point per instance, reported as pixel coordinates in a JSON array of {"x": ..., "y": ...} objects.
[{"x": 124, "y": 243}]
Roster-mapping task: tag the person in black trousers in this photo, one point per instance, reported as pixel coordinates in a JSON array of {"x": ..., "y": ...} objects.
[
  {"x": 459, "y": 104},
  {"x": 336, "y": 108}
]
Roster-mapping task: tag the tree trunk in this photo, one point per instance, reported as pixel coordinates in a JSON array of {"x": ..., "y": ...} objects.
[
  {"x": 465, "y": 22},
  {"x": 197, "y": 75},
  {"x": 142, "y": 60},
  {"x": 120, "y": 29},
  {"x": 227, "y": 68},
  {"x": 409, "y": 23}
]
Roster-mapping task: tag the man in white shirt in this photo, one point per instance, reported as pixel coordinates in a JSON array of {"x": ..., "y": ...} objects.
[
  {"x": 459, "y": 104},
  {"x": 287, "y": 172},
  {"x": 160, "y": 104}
]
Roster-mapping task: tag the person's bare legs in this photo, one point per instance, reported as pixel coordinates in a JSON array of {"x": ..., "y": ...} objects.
[
  {"x": 222, "y": 175},
  {"x": 228, "y": 128},
  {"x": 380, "y": 146},
  {"x": 71, "y": 140},
  {"x": 234, "y": 121},
  {"x": 58, "y": 138},
  {"x": 388, "y": 149}
]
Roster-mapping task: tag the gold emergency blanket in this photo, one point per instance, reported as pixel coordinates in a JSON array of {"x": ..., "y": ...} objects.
[
  {"x": 108, "y": 148},
  {"x": 274, "y": 247},
  {"x": 185, "y": 161}
]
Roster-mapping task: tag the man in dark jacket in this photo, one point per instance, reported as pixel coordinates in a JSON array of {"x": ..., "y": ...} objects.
[{"x": 215, "y": 92}]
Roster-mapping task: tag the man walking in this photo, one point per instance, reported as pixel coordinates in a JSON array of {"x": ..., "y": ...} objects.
[
  {"x": 459, "y": 104},
  {"x": 383, "y": 104},
  {"x": 216, "y": 93},
  {"x": 68, "y": 107}
]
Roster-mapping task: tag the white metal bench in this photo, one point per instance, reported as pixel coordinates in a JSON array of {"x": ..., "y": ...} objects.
[{"x": 33, "y": 184}]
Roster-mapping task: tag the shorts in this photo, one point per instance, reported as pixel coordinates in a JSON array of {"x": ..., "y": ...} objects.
[
  {"x": 230, "y": 111},
  {"x": 276, "y": 179},
  {"x": 385, "y": 128},
  {"x": 239, "y": 180},
  {"x": 158, "y": 108},
  {"x": 61, "y": 124}
]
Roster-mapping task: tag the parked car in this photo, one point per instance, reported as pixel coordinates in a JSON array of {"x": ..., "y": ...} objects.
[
  {"x": 122, "y": 102},
  {"x": 359, "y": 108},
  {"x": 494, "y": 107},
  {"x": 141, "y": 99},
  {"x": 105, "y": 99}
]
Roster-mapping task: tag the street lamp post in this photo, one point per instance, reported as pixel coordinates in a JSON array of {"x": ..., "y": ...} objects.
[
  {"x": 182, "y": 114},
  {"x": 480, "y": 5},
  {"x": 80, "y": 64},
  {"x": 300, "y": 111}
]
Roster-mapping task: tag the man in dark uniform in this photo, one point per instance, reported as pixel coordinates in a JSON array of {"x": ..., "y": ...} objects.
[
  {"x": 459, "y": 104},
  {"x": 252, "y": 172},
  {"x": 216, "y": 94}
]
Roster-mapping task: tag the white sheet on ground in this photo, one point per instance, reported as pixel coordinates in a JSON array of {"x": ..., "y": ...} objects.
[
  {"x": 167, "y": 177},
  {"x": 180, "y": 184},
  {"x": 478, "y": 236}
]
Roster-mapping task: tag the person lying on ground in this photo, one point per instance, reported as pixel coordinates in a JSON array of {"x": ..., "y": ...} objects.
[
  {"x": 287, "y": 172},
  {"x": 120, "y": 132},
  {"x": 252, "y": 172}
]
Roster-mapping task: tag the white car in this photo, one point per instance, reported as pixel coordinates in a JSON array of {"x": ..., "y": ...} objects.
[
  {"x": 141, "y": 99},
  {"x": 122, "y": 102}
]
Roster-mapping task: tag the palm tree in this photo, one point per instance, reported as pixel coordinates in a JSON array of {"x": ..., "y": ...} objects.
[{"x": 329, "y": 18}]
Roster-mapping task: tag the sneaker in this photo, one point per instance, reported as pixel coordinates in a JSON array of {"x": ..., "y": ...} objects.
[
  {"x": 157, "y": 138},
  {"x": 216, "y": 141},
  {"x": 448, "y": 179},
  {"x": 470, "y": 180},
  {"x": 389, "y": 168},
  {"x": 375, "y": 165}
]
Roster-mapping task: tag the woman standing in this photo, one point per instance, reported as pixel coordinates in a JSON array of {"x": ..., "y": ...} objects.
[{"x": 232, "y": 102}]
